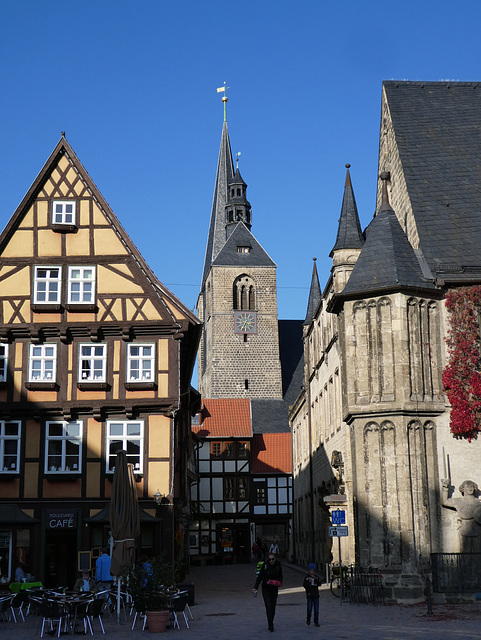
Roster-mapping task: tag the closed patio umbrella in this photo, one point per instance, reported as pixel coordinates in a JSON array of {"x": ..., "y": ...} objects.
[{"x": 124, "y": 520}]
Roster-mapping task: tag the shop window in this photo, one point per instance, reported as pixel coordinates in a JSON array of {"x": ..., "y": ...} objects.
[{"x": 5, "y": 556}]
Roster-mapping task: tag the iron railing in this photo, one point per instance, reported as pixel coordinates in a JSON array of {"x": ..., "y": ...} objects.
[{"x": 456, "y": 572}]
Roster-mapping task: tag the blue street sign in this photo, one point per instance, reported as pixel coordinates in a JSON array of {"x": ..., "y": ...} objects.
[
  {"x": 338, "y": 532},
  {"x": 338, "y": 517}
]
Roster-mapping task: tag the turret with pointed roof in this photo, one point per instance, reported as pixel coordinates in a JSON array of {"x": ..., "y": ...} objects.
[
  {"x": 350, "y": 239},
  {"x": 314, "y": 295},
  {"x": 387, "y": 261}
]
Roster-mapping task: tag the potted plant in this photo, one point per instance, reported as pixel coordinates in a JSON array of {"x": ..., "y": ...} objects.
[{"x": 148, "y": 584}]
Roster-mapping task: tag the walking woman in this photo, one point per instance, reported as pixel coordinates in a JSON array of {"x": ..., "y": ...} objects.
[{"x": 271, "y": 577}]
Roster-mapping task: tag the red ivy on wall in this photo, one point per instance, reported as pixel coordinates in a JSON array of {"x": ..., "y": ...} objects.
[{"x": 462, "y": 375}]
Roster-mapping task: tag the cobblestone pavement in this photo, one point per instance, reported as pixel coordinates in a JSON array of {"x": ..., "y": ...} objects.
[{"x": 225, "y": 607}]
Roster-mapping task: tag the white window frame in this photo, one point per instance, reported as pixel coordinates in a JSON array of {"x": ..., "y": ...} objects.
[
  {"x": 46, "y": 355},
  {"x": 124, "y": 438},
  {"x": 63, "y": 213},
  {"x": 85, "y": 295},
  {"x": 3, "y": 361},
  {"x": 48, "y": 280},
  {"x": 141, "y": 363},
  {"x": 4, "y": 437},
  {"x": 64, "y": 440},
  {"x": 87, "y": 355}
]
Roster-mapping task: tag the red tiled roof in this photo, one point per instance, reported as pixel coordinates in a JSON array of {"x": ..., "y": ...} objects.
[
  {"x": 224, "y": 418},
  {"x": 271, "y": 453}
]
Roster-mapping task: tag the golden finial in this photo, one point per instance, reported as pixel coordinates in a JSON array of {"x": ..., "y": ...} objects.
[{"x": 225, "y": 99}]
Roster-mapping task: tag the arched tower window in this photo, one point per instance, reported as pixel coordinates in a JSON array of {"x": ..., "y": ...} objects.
[{"x": 244, "y": 293}]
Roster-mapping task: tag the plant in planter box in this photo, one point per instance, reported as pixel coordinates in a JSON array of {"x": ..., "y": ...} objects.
[{"x": 148, "y": 584}]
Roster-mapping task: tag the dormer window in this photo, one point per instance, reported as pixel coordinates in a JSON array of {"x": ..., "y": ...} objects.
[
  {"x": 243, "y": 249},
  {"x": 64, "y": 215}
]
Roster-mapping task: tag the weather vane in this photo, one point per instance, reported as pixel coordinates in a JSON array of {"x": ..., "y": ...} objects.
[
  {"x": 237, "y": 159},
  {"x": 225, "y": 99}
]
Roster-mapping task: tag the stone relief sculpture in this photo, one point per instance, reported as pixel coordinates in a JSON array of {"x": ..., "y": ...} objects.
[{"x": 468, "y": 508}]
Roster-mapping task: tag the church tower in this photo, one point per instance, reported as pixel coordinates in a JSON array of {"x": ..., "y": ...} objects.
[{"x": 239, "y": 350}]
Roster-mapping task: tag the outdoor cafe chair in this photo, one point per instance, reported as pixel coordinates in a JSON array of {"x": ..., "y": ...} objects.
[
  {"x": 142, "y": 616},
  {"x": 187, "y": 608},
  {"x": 94, "y": 610},
  {"x": 52, "y": 613},
  {"x": 124, "y": 598},
  {"x": 177, "y": 605},
  {"x": 81, "y": 614},
  {"x": 6, "y": 610},
  {"x": 19, "y": 602}
]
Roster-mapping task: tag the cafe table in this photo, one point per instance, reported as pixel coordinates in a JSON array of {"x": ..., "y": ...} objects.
[{"x": 15, "y": 587}]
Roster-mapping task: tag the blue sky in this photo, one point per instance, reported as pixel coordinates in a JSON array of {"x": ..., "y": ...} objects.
[{"x": 134, "y": 86}]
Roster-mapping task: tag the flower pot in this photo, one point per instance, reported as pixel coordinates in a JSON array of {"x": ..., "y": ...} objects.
[{"x": 157, "y": 620}]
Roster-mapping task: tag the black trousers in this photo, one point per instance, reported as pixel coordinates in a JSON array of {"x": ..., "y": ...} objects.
[{"x": 269, "y": 593}]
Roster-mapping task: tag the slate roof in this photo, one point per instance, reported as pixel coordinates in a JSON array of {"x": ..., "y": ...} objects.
[
  {"x": 314, "y": 295},
  {"x": 349, "y": 234},
  {"x": 269, "y": 416},
  {"x": 271, "y": 453},
  {"x": 225, "y": 418},
  {"x": 225, "y": 175},
  {"x": 387, "y": 260},
  {"x": 437, "y": 129},
  {"x": 242, "y": 237},
  {"x": 291, "y": 353}
]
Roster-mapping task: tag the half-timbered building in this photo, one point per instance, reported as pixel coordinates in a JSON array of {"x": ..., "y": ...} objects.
[
  {"x": 244, "y": 488},
  {"x": 96, "y": 355}
]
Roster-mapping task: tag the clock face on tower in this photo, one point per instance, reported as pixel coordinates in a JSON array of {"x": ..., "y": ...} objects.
[{"x": 245, "y": 321}]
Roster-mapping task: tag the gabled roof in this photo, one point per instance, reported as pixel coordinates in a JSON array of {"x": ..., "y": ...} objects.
[
  {"x": 241, "y": 237},
  {"x": 387, "y": 261},
  {"x": 166, "y": 300},
  {"x": 225, "y": 175},
  {"x": 349, "y": 234},
  {"x": 225, "y": 418},
  {"x": 271, "y": 453},
  {"x": 437, "y": 128}
]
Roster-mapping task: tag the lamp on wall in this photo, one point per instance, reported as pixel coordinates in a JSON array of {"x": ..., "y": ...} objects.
[{"x": 158, "y": 498}]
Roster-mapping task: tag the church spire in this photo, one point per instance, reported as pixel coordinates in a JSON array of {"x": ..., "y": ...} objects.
[
  {"x": 224, "y": 176},
  {"x": 314, "y": 295}
]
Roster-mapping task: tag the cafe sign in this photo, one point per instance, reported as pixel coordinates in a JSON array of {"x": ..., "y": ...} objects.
[{"x": 60, "y": 519}]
